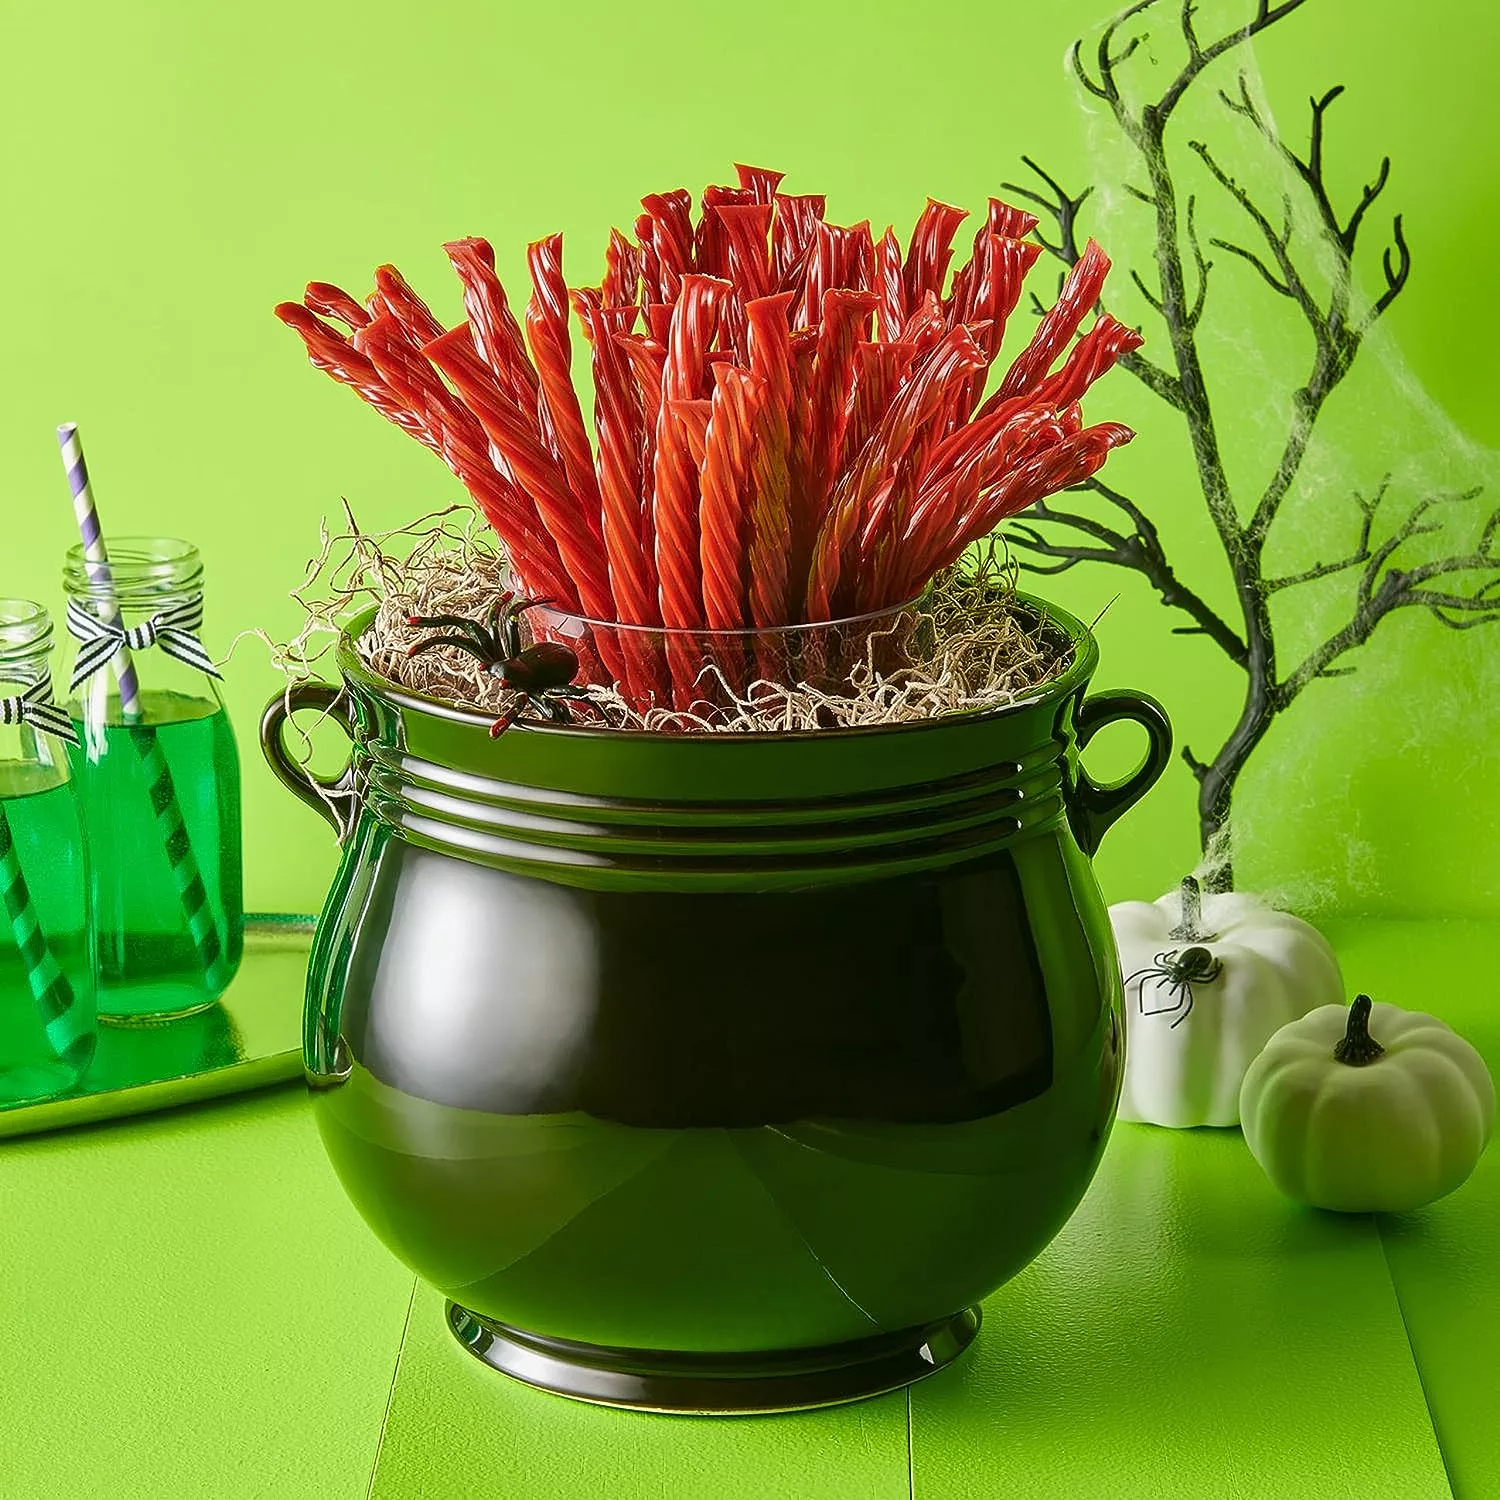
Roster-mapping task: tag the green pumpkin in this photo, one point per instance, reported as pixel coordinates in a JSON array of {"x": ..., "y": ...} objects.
[{"x": 1367, "y": 1110}]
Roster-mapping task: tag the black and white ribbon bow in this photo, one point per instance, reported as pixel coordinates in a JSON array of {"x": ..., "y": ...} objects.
[
  {"x": 35, "y": 707},
  {"x": 175, "y": 630}
]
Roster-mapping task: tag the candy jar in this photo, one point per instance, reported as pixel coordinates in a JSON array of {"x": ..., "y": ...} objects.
[
  {"x": 47, "y": 1015},
  {"x": 159, "y": 780}
]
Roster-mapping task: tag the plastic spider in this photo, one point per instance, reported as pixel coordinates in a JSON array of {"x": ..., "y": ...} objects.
[
  {"x": 1179, "y": 970},
  {"x": 541, "y": 675}
]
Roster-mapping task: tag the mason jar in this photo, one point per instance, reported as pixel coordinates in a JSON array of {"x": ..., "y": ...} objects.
[
  {"x": 158, "y": 778},
  {"x": 47, "y": 1000}
]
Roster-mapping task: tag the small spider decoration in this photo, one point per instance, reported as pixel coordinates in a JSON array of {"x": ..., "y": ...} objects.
[
  {"x": 1179, "y": 970},
  {"x": 541, "y": 675}
]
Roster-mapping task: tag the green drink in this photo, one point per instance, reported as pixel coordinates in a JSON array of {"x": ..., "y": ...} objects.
[
  {"x": 46, "y": 1008},
  {"x": 47, "y": 1018},
  {"x": 150, "y": 963}
]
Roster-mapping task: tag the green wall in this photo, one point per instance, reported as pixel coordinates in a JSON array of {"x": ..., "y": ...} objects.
[{"x": 171, "y": 170}]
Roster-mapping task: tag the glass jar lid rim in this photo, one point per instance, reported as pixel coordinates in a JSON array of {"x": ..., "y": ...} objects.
[
  {"x": 150, "y": 565},
  {"x": 140, "y": 551},
  {"x": 25, "y": 627}
]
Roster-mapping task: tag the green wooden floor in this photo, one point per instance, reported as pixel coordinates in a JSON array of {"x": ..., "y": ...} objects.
[{"x": 190, "y": 1308}]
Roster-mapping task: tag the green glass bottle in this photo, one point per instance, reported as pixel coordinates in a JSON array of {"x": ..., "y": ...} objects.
[
  {"x": 159, "y": 781},
  {"x": 47, "y": 971}
]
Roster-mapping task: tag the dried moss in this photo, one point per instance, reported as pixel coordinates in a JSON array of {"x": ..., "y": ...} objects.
[{"x": 976, "y": 646}]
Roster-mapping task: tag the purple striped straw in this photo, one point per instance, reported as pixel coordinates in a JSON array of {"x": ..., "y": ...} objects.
[{"x": 96, "y": 561}]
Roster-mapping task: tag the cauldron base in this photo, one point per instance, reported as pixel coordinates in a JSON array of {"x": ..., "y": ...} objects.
[{"x": 716, "y": 1384}]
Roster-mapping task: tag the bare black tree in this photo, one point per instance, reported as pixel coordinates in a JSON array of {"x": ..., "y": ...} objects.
[{"x": 1461, "y": 590}]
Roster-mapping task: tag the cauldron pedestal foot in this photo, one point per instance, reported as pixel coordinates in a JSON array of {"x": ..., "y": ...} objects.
[{"x": 722, "y": 1384}]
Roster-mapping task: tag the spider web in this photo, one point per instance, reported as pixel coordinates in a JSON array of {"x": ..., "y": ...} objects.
[{"x": 1346, "y": 802}]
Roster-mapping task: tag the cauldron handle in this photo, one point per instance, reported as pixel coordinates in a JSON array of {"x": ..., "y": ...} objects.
[
  {"x": 334, "y": 797},
  {"x": 1096, "y": 806}
]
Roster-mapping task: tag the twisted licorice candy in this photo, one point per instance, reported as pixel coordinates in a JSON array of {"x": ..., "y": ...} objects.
[
  {"x": 770, "y": 513},
  {"x": 954, "y": 357},
  {"x": 724, "y": 478},
  {"x": 1093, "y": 354},
  {"x": 871, "y": 498},
  {"x": 618, "y": 427},
  {"x": 537, "y": 473},
  {"x": 930, "y": 249},
  {"x": 828, "y": 407},
  {"x": 890, "y": 286},
  {"x": 674, "y": 477},
  {"x": 1058, "y": 465},
  {"x": 841, "y": 256},
  {"x": 396, "y": 297},
  {"x": 330, "y": 301},
  {"x": 465, "y": 448},
  {"x": 949, "y": 490},
  {"x": 551, "y": 350},
  {"x": 794, "y": 227},
  {"x": 760, "y": 182},
  {"x": 329, "y": 351},
  {"x": 621, "y": 288},
  {"x": 1064, "y": 464},
  {"x": 747, "y": 246},
  {"x": 497, "y": 334},
  {"x": 1079, "y": 293},
  {"x": 670, "y": 216}
]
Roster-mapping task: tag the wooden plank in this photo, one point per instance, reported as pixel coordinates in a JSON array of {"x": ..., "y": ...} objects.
[
  {"x": 459, "y": 1429},
  {"x": 1445, "y": 1259},
  {"x": 191, "y": 1308},
  {"x": 1189, "y": 1334}
]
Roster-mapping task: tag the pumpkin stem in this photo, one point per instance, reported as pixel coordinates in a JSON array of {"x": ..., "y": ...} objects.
[
  {"x": 1189, "y": 930},
  {"x": 1357, "y": 1047}
]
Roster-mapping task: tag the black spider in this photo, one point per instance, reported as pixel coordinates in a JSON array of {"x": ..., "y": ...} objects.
[
  {"x": 1181, "y": 969},
  {"x": 540, "y": 675}
]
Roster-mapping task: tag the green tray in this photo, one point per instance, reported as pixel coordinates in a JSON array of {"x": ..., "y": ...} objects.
[{"x": 252, "y": 1037}]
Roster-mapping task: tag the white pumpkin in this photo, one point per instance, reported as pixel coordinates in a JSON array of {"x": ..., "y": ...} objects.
[
  {"x": 1367, "y": 1110},
  {"x": 1208, "y": 979}
]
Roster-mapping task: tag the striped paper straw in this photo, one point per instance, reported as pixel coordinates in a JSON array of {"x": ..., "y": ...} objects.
[
  {"x": 186, "y": 875},
  {"x": 67, "y": 1031},
  {"x": 96, "y": 561}
]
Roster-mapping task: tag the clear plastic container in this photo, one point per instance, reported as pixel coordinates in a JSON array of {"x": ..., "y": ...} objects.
[{"x": 711, "y": 675}]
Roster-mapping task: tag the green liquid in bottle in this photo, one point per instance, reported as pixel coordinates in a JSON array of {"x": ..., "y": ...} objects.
[
  {"x": 46, "y": 1041},
  {"x": 168, "y": 945}
]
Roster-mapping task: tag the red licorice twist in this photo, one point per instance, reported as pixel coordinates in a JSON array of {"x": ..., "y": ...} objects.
[{"x": 790, "y": 418}]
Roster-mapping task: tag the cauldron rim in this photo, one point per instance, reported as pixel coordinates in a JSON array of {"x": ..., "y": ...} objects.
[{"x": 1080, "y": 669}]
